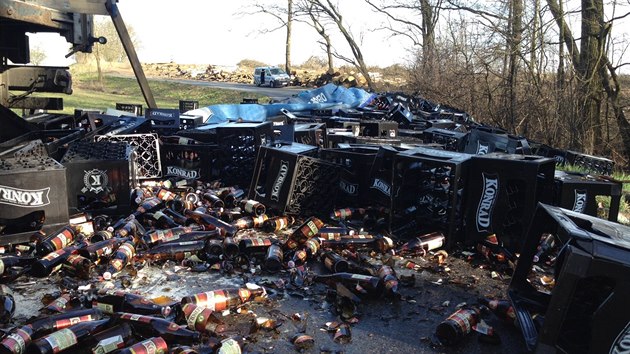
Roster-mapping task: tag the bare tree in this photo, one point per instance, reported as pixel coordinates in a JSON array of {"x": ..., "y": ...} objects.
[
  {"x": 284, "y": 17},
  {"x": 37, "y": 54},
  {"x": 332, "y": 12},
  {"x": 306, "y": 7}
]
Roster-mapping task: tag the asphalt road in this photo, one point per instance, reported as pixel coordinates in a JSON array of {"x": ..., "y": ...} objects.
[{"x": 274, "y": 93}]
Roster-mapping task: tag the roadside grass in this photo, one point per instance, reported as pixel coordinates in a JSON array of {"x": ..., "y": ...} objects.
[{"x": 87, "y": 93}]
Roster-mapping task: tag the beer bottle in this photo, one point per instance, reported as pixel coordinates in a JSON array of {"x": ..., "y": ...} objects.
[
  {"x": 183, "y": 349},
  {"x": 17, "y": 340},
  {"x": 7, "y": 304},
  {"x": 79, "y": 266},
  {"x": 148, "y": 326},
  {"x": 53, "y": 261},
  {"x": 278, "y": 223},
  {"x": 122, "y": 257},
  {"x": 421, "y": 245},
  {"x": 129, "y": 228},
  {"x": 367, "y": 282},
  {"x": 111, "y": 301},
  {"x": 192, "y": 236},
  {"x": 224, "y": 299},
  {"x": 334, "y": 233},
  {"x": 101, "y": 235},
  {"x": 230, "y": 196},
  {"x": 452, "y": 330},
  {"x": 273, "y": 259},
  {"x": 103, "y": 248},
  {"x": 66, "y": 338},
  {"x": 230, "y": 248},
  {"x": 348, "y": 213},
  {"x": 165, "y": 195},
  {"x": 7, "y": 262},
  {"x": 176, "y": 251},
  {"x": 307, "y": 230},
  {"x": 213, "y": 201},
  {"x": 167, "y": 235},
  {"x": 250, "y": 222},
  {"x": 312, "y": 247},
  {"x": 162, "y": 221},
  {"x": 388, "y": 280},
  {"x": 59, "y": 304},
  {"x": 211, "y": 222},
  {"x": 200, "y": 319},
  {"x": 153, "y": 345},
  {"x": 547, "y": 242},
  {"x": 214, "y": 247},
  {"x": 147, "y": 206},
  {"x": 48, "y": 324},
  {"x": 107, "y": 341},
  {"x": 254, "y": 247},
  {"x": 334, "y": 262},
  {"x": 177, "y": 216},
  {"x": 56, "y": 241},
  {"x": 501, "y": 308},
  {"x": 253, "y": 207}
]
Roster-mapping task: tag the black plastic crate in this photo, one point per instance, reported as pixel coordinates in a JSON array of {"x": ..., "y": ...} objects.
[
  {"x": 485, "y": 140},
  {"x": 238, "y": 145},
  {"x": 377, "y": 141},
  {"x": 101, "y": 176},
  {"x": 428, "y": 193},
  {"x": 133, "y": 108},
  {"x": 32, "y": 184},
  {"x": 48, "y": 121},
  {"x": 102, "y": 124},
  {"x": 311, "y": 134},
  {"x": 147, "y": 149},
  {"x": 354, "y": 180},
  {"x": 206, "y": 134},
  {"x": 578, "y": 192},
  {"x": 590, "y": 163},
  {"x": 163, "y": 120},
  {"x": 189, "y": 121},
  {"x": 190, "y": 161},
  {"x": 501, "y": 195},
  {"x": 12, "y": 125},
  {"x": 289, "y": 181},
  {"x": 187, "y": 105},
  {"x": 584, "y": 262},
  {"x": 449, "y": 139},
  {"x": 380, "y": 190},
  {"x": 379, "y": 128},
  {"x": 341, "y": 122},
  {"x": 51, "y": 143}
]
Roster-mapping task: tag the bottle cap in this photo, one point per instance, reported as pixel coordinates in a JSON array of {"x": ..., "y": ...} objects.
[{"x": 107, "y": 276}]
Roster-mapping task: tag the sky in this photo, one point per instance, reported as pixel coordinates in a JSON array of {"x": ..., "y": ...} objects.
[
  {"x": 218, "y": 33},
  {"x": 213, "y": 32}
]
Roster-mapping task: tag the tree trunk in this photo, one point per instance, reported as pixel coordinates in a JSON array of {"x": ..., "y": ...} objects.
[
  {"x": 97, "y": 56},
  {"x": 288, "y": 43},
  {"x": 428, "y": 35},
  {"x": 516, "y": 26}
]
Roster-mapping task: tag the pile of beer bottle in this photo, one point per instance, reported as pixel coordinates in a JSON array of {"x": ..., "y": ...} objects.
[{"x": 204, "y": 226}]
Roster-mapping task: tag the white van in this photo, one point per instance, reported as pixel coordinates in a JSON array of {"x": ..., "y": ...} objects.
[{"x": 272, "y": 76}]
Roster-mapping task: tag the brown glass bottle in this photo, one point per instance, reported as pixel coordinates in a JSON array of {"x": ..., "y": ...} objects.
[
  {"x": 334, "y": 262},
  {"x": 153, "y": 345},
  {"x": 274, "y": 258},
  {"x": 501, "y": 308},
  {"x": 123, "y": 255},
  {"x": 452, "y": 330},
  {"x": 307, "y": 230},
  {"x": 213, "y": 201},
  {"x": 253, "y": 207},
  {"x": 230, "y": 247},
  {"x": 52, "y": 261},
  {"x": 223, "y": 299},
  {"x": 148, "y": 326},
  {"x": 17, "y": 340},
  {"x": 65, "y": 338},
  {"x": 250, "y": 222},
  {"x": 388, "y": 280},
  {"x": 160, "y": 220},
  {"x": 101, "y": 235},
  {"x": 59, "y": 304},
  {"x": 47, "y": 324},
  {"x": 100, "y": 249},
  {"x": 176, "y": 251},
  {"x": 422, "y": 244},
  {"x": 368, "y": 282},
  {"x": 278, "y": 223},
  {"x": 111, "y": 301},
  {"x": 199, "y": 318},
  {"x": 79, "y": 266},
  {"x": 230, "y": 196},
  {"x": 254, "y": 247},
  {"x": 167, "y": 235},
  {"x": 106, "y": 341},
  {"x": 348, "y": 213},
  {"x": 211, "y": 222},
  {"x": 147, "y": 206},
  {"x": 56, "y": 241}
]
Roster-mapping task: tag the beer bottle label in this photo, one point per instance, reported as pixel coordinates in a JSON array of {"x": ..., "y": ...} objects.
[
  {"x": 107, "y": 308},
  {"x": 250, "y": 206},
  {"x": 462, "y": 319},
  {"x": 62, "y": 240},
  {"x": 150, "y": 346},
  {"x": 434, "y": 243},
  {"x": 59, "y": 303},
  {"x": 67, "y": 322},
  {"x": 108, "y": 345},
  {"x": 16, "y": 342},
  {"x": 61, "y": 340},
  {"x": 197, "y": 318},
  {"x": 53, "y": 255},
  {"x": 136, "y": 318}
]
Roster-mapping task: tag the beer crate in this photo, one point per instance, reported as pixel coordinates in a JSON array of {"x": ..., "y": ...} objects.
[
  {"x": 590, "y": 163},
  {"x": 147, "y": 148},
  {"x": 578, "y": 192},
  {"x": 134, "y": 108},
  {"x": 34, "y": 185},
  {"x": 356, "y": 163},
  {"x": 336, "y": 136},
  {"x": 501, "y": 195},
  {"x": 584, "y": 261},
  {"x": 47, "y": 121},
  {"x": 484, "y": 140},
  {"x": 311, "y": 134},
  {"x": 101, "y": 176},
  {"x": 449, "y": 139},
  {"x": 379, "y": 129},
  {"x": 428, "y": 193},
  {"x": 51, "y": 143},
  {"x": 238, "y": 145},
  {"x": 190, "y": 161},
  {"x": 286, "y": 179},
  {"x": 187, "y": 105}
]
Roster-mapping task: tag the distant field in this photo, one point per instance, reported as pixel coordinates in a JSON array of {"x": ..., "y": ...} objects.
[{"x": 88, "y": 94}]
